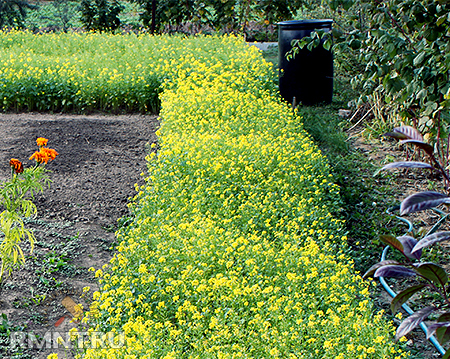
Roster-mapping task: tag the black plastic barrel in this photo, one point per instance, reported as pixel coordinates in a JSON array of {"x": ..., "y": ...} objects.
[{"x": 307, "y": 77}]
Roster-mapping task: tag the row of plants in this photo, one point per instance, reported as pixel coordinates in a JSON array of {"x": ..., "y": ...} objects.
[
  {"x": 232, "y": 250},
  {"x": 84, "y": 72},
  {"x": 74, "y": 72}
]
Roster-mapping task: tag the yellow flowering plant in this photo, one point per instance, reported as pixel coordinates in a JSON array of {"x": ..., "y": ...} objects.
[
  {"x": 232, "y": 250},
  {"x": 16, "y": 197}
]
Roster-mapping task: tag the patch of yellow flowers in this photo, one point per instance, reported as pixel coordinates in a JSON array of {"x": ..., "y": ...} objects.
[
  {"x": 233, "y": 252},
  {"x": 92, "y": 71}
]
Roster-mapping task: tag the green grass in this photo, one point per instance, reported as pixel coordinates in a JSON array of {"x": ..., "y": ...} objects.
[{"x": 365, "y": 198}]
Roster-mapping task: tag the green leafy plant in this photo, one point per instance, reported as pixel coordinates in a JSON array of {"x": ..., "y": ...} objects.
[
  {"x": 13, "y": 12},
  {"x": 101, "y": 15},
  {"x": 430, "y": 276},
  {"x": 16, "y": 200},
  {"x": 401, "y": 48}
]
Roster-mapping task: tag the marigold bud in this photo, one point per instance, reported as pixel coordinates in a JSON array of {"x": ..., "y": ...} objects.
[
  {"x": 16, "y": 165},
  {"x": 41, "y": 141}
]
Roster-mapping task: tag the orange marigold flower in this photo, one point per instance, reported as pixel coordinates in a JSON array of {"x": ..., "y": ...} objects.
[
  {"x": 49, "y": 152},
  {"x": 16, "y": 165},
  {"x": 44, "y": 155},
  {"x": 41, "y": 141},
  {"x": 40, "y": 157}
]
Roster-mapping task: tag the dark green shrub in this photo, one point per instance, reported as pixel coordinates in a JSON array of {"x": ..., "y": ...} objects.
[
  {"x": 100, "y": 15},
  {"x": 13, "y": 12}
]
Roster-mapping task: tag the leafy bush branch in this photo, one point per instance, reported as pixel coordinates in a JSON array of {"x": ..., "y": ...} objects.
[
  {"x": 401, "y": 48},
  {"x": 225, "y": 15}
]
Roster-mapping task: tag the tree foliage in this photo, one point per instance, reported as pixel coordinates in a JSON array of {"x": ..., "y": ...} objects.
[
  {"x": 100, "y": 15},
  {"x": 403, "y": 46},
  {"x": 226, "y": 15},
  {"x": 13, "y": 12}
]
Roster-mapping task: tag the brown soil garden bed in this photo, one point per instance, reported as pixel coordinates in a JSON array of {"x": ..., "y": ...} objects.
[{"x": 100, "y": 160}]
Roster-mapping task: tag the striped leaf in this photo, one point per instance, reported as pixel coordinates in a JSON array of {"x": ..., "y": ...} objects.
[
  {"x": 370, "y": 272},
  {"x": 413, "y": 321},
  {"x": 431, "y": 239},
  {"x": 394, "y": 271},
  {"x": 406, "y": 164},
  {"x": 422, "y": 201},
  {"x": 409, "y": 132},
  {"x": 408, "y": 244}
]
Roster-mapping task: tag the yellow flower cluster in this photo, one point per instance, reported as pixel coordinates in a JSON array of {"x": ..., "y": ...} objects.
[
  {"x": 91, "y": 71},
  {"x": 233, "y": 252}
]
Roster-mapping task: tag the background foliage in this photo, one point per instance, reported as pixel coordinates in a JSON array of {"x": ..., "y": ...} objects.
[
  {"x": 402, "y": 46},
  {"x": 101, "y": 15},
  {"x": 13, "y": 12},
  {"x": 223, "y": 15}
]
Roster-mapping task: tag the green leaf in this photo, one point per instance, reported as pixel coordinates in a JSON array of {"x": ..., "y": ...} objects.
[
  {"x": 422, "y": 94},
  {"x": 441, "y": 19},
  {"x": 419, "y": 58},
  {"x": 443, "y": 333},
  {"x": 433, "y": 272},
  {"x": 442, "y": 330},
  {"x": 395, "y": 85},
  {"x": 337, "y": 33},
  {"x": 404, "y": 295},
  {"x": 355, "y": 44},
  {"x": 396, "y": 135},
  {"x": 422, "y": 145}
]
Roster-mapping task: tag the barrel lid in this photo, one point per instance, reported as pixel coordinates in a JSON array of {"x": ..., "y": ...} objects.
[{"x": 306, "y": 24}]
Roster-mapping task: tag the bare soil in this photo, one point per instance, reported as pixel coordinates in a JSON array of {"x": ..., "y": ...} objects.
[{"x": 100, "y": 160}]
